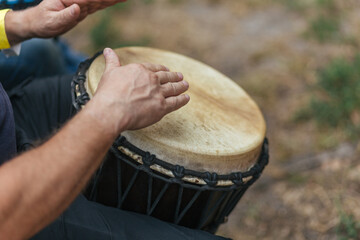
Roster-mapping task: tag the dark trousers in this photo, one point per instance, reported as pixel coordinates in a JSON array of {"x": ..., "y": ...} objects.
[{"x": 41, "y": 107}]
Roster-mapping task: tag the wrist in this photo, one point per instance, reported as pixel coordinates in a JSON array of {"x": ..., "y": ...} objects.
[
  {"x": 17, "y": 27},
  {"x": 105, "y": 118}
]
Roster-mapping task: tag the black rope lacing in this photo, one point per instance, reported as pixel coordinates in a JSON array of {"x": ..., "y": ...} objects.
[
  {"x": 79, "y": 94},
  {"x": 179, "y": 172}
]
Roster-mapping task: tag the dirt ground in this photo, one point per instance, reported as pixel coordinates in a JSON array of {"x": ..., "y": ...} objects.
[{"x": 313, "y": 181}]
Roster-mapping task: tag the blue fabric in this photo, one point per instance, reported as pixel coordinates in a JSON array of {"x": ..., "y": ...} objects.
[
  {"x": 18, "y": 4},
  {"x": 38, "y": 58},
  {"x": 7, "y": 128},
  {"x": 41, "y": 106}
]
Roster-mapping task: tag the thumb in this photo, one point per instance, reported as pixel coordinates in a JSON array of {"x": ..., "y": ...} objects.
[
  {"x": 69, "y": 15},
  {"x": 111, "y": 59}
]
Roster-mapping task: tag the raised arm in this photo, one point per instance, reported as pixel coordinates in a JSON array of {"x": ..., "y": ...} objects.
[
  {"x": 50, "y": 18},
  {"x": 38, "y": 185}
]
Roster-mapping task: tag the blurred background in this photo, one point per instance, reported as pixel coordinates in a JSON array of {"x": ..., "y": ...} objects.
[{"x": 300, "y": 61}]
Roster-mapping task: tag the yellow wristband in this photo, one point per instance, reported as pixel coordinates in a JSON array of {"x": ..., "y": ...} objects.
[{"x": 4, "y": 43}]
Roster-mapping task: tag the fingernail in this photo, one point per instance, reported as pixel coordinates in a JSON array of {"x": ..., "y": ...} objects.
[
  {"x": 167, "y": 69},
  {"x": 186, "y": 84},
  {"x": 106, "y": 51},
  {"x": 180, "y": 75},
  {"x": 72, "y": 10},
  {"x": 187, "y": 96}
]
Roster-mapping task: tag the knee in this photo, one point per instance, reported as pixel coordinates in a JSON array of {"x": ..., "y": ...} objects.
[
  {"x": 40, "y": 50},
  {"x": 45, "y": 56}
]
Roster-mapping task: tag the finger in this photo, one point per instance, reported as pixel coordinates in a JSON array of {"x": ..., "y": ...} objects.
[
  {"x": 176, "y": 102},
  {"x": 111, "y": 59},
  {"x": 166, "y": 77},
  {"x": 174, "y": 89},
  {"x": 155, "y": 67},
  {"x": 69, "y": 15}
]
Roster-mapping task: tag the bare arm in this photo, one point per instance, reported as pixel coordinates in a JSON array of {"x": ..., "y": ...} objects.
[
  {"x": 50, "y": 18},
  {"x": 38, "y": 185}
]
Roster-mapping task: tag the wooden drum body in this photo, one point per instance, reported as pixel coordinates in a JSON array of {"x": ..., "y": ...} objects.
[{"x": 193, "y": 166}]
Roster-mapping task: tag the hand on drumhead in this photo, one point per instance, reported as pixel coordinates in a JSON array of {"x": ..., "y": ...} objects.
[{"x": 137, "y": 95}]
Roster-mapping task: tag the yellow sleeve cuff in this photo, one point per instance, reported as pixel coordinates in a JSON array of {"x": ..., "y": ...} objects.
[{"x": 4, "y": 43}]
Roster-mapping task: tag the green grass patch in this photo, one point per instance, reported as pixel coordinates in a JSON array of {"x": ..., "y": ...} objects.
[
  {"x": 336, "y": 97},
  {"x": 324, "y": 28},
  {"x": 298, "y": 5},
  {"x": 328, "y": 4},
  {"x": 348, "y": 228},
  {"x": 103, "y": 34},
  {"x": 297, "y": 179},
  {"x": 107, "y": 34},
  {"x": 324, "y": 18},
  {"x": 175, "y": 1}
]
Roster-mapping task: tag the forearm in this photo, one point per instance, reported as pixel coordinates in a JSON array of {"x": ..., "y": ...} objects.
[{"x": 37, "y": 186}]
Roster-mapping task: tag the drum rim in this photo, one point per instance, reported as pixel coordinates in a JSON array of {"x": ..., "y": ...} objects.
[
  {"x": 211, "y": 180},
  {"x": 235, "y": 179}
]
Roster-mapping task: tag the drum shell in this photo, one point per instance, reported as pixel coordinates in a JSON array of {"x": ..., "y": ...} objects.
[{"x": 207, "y": 212}]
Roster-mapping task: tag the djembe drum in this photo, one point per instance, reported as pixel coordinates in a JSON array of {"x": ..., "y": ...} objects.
[{"x": 193, "y": 166}]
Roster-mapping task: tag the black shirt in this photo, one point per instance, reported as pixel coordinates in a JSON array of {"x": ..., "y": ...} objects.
[{"x": 7, "y": 128}]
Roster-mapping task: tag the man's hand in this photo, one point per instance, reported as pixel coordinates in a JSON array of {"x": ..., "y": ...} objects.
[
  {"x": 50, "y": 18},
  {"x": 136, "y": 95}
]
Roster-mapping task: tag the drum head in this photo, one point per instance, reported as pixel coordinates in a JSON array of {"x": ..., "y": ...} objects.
[{"x": 220, "y": 130}]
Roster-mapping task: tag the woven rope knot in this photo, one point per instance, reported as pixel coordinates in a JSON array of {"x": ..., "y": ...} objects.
[
  {"x": 83, "y": 98},
  {"x": 211, "y": 179},
  {"x": 81, "y": 77},
  {"x": 120, "y": 141},
  {"x": 148, "y": 159},
  {"x": 75, "y": 80},
  {"x": 256, "y": 168},
  {"x": 179, "y": 172},
  {"x": 266, "y": 158},
  {"x": 237, "y": 178}
]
